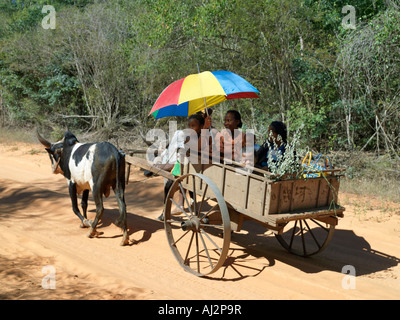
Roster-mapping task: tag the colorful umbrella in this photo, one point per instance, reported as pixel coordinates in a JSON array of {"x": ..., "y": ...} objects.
[{"x": 195, "y": 92}]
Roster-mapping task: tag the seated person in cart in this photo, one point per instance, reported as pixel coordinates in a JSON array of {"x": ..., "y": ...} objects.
[
  {"x": 231, "y": 140},
  {"x": 199, "y": 141},
  {"x": 192, "y": 142},
  {"x": 234, "y": 144},
  {"x": 272, "y": 150}
]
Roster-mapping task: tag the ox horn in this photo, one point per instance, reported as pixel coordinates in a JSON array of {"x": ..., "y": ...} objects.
[{"x": 42, "y": 140}]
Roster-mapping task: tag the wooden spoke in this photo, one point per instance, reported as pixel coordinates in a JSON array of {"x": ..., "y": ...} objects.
[
  {"x": 180, "y": 208},
  {"x": 194, "y": 197},
  {"x": 211, "y": 240},
  {"x": 202, "y": 199},
  {"x": 189, "y": 246},
  {"x": 208, "y": 212},
  {"x": 186, "y": 200},
  {"x": 205, "y": 248},
  {"x": 175, "y": 242}
]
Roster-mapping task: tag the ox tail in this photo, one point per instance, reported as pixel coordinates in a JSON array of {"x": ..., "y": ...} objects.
[
  {"x": 120, "y": 187},
  {"x": 120, "y": 170}
]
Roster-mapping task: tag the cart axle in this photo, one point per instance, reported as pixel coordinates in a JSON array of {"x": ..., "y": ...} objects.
[{"x": 192, "y": 224}]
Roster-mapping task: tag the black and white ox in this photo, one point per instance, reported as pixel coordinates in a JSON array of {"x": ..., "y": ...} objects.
[{"x": 90, "y": 166}]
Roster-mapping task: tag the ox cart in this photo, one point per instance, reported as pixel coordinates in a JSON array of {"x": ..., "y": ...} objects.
[{"x": 217, "y": 198}]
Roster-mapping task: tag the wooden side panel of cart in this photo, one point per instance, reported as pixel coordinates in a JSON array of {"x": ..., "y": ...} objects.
[{"x": 268, "y": 202}]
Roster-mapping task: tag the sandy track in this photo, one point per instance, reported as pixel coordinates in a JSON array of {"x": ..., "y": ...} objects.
[{"x": 38, "y": 228}]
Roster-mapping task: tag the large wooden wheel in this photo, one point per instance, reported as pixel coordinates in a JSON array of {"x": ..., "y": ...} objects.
[
  {"x": 198, "y": 231},
  {"x": 306, "y": 237}
]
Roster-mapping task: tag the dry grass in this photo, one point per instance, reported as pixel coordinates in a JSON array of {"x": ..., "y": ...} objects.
[
  {"x": 369, "y": 174},
  {"x": 13, "y": 135}
]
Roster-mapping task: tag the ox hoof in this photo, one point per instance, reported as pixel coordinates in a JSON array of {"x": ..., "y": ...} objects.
[
  {"x": 86, "y": 223},
  {"x": 93, "y": 234},
  {"x": 124, "y": 242}
]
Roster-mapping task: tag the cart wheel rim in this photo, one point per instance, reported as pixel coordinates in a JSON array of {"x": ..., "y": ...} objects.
[
  {"x": 200, "y": 236},
  {"x": 306, "y": 238}
]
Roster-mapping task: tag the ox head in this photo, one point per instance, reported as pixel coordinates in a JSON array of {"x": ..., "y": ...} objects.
[{"x": 55, "y": 150}]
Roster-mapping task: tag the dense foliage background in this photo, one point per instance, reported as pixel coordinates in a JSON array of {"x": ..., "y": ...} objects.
[{"x": 106, "y": 62}]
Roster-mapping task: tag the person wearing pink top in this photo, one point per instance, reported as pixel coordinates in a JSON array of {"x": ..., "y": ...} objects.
[{"x": 231, "y": 140}]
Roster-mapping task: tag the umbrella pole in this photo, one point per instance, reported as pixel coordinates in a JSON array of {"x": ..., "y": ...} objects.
[{"x": 205, "y": 105}]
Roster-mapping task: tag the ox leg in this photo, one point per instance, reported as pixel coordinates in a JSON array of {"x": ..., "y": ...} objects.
[
  {"x": 84, "y": 204},
  {"x": 98, "y": 199},
  {"x": 74, "y": 199},
  {"x": 121, "y": 221}
]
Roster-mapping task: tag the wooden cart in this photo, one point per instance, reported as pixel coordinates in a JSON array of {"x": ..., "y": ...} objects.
[{"x": 218, "y": 197}]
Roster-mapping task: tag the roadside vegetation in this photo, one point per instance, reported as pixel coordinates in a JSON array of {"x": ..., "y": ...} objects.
[{"x": 103, "y": 66}]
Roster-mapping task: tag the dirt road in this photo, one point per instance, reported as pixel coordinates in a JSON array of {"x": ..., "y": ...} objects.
[{"x": 40, "y": 237}]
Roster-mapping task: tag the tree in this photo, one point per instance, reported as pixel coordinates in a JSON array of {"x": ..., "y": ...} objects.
[{"x": 368, "y": 80}]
